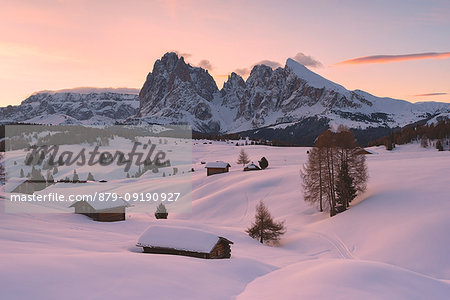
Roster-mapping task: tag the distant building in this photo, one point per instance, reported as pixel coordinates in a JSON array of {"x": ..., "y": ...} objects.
[
  {"x": 102, "y": 211},
  {"x": 217, "y": 167},
  {"x": 160, "y": 239},
  {"x": 365, "y": 151},
  {"x": 252, "y": 167},
  {"x": 28, "y": 186}
]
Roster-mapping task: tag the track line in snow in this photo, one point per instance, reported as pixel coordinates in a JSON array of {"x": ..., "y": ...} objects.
[{"x": 342, "y": 249}]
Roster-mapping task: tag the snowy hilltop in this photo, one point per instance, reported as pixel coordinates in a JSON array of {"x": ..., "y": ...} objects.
[{"x": 393, "y": 242}]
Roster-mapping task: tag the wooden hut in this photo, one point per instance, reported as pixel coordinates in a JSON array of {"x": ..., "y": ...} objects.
[
  {"x": 252, "y": 167},
  {"x": 102, "y": 211},
  {"x": 28, "y": 186},
  {"x": 160, "y": 239},
  {"x": 363, "y": 151},
  {"x": 217, "y": 167}
]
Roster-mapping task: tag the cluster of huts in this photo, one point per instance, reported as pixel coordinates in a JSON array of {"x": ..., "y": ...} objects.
[{"x": 218, "y": 167}]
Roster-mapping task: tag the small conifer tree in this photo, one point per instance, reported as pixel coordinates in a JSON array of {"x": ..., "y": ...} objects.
[
  {"x": 345, "y": 189},
  {"x": 161, "y": 212},
  {"x": 439, "y": 145},
  {"x": 75, "y": 177},
  {"x": 264, "y": 227},
  {"x": 243, "y": 158},
  {"x": 263, "y": 163},
  {"x": 90, "y": 177}
]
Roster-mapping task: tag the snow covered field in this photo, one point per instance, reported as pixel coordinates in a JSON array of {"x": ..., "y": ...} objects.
[{"x": 393, "y": 243}]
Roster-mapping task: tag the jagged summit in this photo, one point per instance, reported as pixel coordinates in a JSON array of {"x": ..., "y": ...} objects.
[
  {"x": 176, "y": 92},
  {"x": 312, "y": 78}
]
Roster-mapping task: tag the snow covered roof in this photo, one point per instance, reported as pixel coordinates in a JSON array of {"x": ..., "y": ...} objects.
[
  {"x": 370, "y": 151},
  {"x": 217, "y": 164},
  {"x": 365, "y": 150},
  {"x": 180, "y": 238},
  {"x": 104, "y": 205},
  {"x": 13, "y": 183},
  {"x": 252, "y": 166}
]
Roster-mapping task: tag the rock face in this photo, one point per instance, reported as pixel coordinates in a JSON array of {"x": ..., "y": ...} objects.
[
  {"x": 176, "y": 92},
  {"x": 72, "y": 108}
]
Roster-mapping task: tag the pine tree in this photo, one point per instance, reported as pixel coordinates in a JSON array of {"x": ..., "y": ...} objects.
[
  {"x": 264, "y": 227},
  {"x": 75, "y": 177},
  {"x": 37, "y": 179},
  {"x": 243, "y": 158},
  {"x": 2, "y": 169},
  {"x": 314, "y": 182},
  {"x": 50, "y": 179},
  {"x": 161, "y": 212},
  {"x": 21, "y": 173},
  {"x": 345, "y": 190},
  {"x": 424, "y": 142},
  {"x": 90, "y": 177},
  {"x": 439, "y": 145},
  {"x": 321, "y": 172},
  {"x": 263, "y": 163}
]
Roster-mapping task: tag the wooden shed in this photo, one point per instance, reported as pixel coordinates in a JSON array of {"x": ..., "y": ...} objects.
[
  {"x": 160, "y": 239},
  {"x": 25, "y": 186},
  {"x": 217, "y": 167},
  {"x": 252, "y": 167},
  {"x": 102, "y": 211},
  {"x": 363, "y": 151}
]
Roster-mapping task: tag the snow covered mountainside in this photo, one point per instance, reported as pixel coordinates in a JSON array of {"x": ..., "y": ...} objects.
[
  {"x": 176, "y": 92},
  {"x": 392, "y": 243},
  {"x": 72, "y": 107}
]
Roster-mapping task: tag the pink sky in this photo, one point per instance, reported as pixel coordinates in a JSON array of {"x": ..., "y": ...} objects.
[{"x": 50, "y": 45}]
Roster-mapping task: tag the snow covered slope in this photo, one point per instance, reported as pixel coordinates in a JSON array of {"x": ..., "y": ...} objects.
[{"x": 393, "y": 242}]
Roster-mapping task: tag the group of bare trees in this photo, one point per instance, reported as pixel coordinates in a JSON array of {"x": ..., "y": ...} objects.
[{"x": 334, "y": 172}]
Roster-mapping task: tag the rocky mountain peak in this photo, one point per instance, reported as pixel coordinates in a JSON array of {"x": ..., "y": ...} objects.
[{"x": 177, "y": 92}]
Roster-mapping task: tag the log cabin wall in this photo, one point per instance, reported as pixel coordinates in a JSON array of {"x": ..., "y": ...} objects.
[{"x": 212, "y": 171}]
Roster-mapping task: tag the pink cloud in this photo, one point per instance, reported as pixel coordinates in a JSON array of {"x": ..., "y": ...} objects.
[{"x": 377, "y": 59}]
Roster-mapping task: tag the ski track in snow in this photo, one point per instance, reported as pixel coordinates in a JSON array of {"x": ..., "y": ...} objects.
[{"x": 337, "y": 244}]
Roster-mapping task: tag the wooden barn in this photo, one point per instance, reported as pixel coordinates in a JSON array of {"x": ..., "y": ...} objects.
[
  {"x": 27, "y": 186},
  {"x": 363, "y": 151},
  {"x": 217, "y": 167},
  {"x": 102, "y": 211},
  {"x": 252, "y": 167},
  {"x": 160, "y": 239}
]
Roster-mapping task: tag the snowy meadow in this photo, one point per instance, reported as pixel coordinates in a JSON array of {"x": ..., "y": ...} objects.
[{"x": 392, "y": 243}]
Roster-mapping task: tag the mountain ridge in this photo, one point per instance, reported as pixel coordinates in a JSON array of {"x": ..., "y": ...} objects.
[
  {"x": 267, "y": 98},
  {"x": 290, "y": 102}
]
